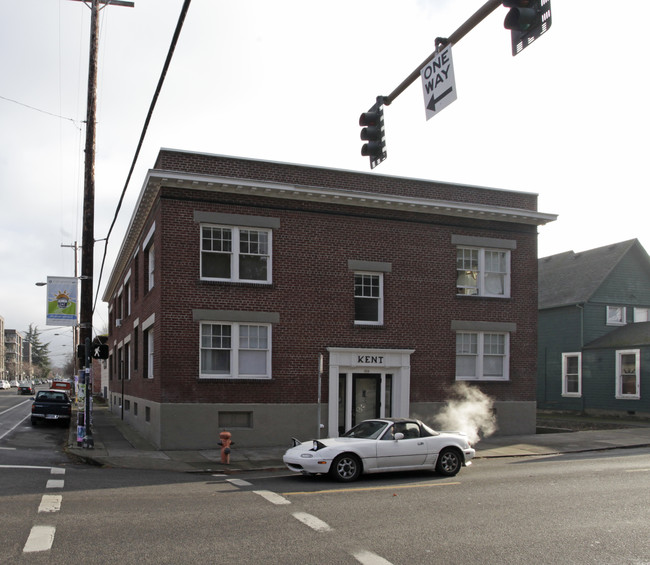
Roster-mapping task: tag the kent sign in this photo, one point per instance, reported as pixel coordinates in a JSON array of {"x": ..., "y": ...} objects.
[{"x": 438, "y": 82}]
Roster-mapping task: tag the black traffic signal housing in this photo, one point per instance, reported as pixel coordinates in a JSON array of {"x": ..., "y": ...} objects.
[
  {"x": 526, "y": 20},
  {"x": 373, "y": 133}
]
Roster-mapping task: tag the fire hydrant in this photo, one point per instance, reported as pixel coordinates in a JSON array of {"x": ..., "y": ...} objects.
[{"x": 225, "y": 442}]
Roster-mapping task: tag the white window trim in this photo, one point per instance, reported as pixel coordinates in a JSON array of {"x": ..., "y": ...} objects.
[
  {"x": 150, "y": 352},
  {"x": 235, "y": 253},
  {"x": 234, "y": 349},
  {"x": 619, "y": 381},
  {"x": 380, "y": 299},
  {"x": 566, "y": 394},
  {"x": 481, "y": 287},
  {"x": 623, "y": 322},
  {"x": 641, "y": 315},
  {"x": 480, "y": 356}
]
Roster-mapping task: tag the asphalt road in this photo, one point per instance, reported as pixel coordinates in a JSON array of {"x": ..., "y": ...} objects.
[{"x": 587, "y": 508}]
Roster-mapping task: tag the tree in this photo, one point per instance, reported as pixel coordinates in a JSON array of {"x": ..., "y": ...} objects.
[{"x": 40, "y": 352}]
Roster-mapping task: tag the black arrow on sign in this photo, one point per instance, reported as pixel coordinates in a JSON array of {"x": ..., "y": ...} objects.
[{"x": 432, "y": 103}]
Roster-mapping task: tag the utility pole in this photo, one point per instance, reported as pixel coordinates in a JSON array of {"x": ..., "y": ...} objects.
[{"x": 88, "y": 229}]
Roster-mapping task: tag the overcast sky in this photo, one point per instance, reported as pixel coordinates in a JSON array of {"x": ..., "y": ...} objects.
[{"x": 567, "y": 119}]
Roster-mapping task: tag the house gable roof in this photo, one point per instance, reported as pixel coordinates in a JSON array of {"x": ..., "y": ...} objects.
[{"x": 573, "y": 278}]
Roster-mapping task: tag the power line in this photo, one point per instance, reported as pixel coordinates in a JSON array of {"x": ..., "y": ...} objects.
[
  {"x": 161, "y": 80},
  {"x": 41, "y": 111}
]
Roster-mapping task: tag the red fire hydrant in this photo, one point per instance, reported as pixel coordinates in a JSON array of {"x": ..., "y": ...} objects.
[{"x": 225, "y": 442}]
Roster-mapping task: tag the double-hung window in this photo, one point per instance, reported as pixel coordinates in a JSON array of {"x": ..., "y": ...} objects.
[
  {"x": 368, "y": 298},
  {"x": 235, "y": 350},
  {"x": 483, "y": 272},
  {"x": 572, "y": 374},
  {"x": 628, "y": 371},
  {"x": 237, "y": 254},
  {"x": 482, "y": 356}
]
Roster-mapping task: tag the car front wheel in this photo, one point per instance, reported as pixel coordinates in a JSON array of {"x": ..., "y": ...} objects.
[
  {"x": 449, "y": 462},
  {"x": 346, "y": 468}
]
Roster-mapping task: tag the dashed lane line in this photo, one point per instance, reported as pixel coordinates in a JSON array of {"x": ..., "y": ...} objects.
[
  {"x": 369, "y": 558},
  {"x": 50, "y": 503},
  {"x": 40, "y": 539},
  {"x": 272, "y": 497},
  {"x": 314, "y": 523}
]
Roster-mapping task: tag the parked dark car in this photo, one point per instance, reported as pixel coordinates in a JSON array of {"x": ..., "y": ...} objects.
[
  {"x": 26, "y": 388},
  {"x": 51, "y": 405}
]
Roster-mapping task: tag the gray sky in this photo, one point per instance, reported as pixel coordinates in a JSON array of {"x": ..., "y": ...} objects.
[{"x": 568, "y": 118}]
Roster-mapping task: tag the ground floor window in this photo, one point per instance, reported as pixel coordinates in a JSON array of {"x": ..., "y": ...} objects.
[
  {"x": 482, "y": 356},
  {"x": 235, "y": 350},
  {"x": 628, "y": 372},
  {"x": 572, "y": 374}
]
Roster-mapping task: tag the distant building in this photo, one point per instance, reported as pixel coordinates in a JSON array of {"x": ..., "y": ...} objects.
[
  {"x": 14, "y": 354},
  {"x": 236, "y": 277},
  {"x": 3, "y": 371},
  {"x": 594, "y": 330}
]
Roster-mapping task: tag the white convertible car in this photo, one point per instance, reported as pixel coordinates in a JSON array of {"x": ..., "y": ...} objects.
[{"x": 386, "y": 444}]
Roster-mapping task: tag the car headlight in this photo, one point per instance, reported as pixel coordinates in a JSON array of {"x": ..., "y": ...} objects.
[{"x": 317, "y": 445}]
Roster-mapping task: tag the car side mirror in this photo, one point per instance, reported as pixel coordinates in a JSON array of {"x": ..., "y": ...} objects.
[{"x": 399, "y": 435}]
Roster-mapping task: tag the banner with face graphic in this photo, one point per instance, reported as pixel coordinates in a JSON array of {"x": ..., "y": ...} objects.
[{"x": 62, "y": 303}]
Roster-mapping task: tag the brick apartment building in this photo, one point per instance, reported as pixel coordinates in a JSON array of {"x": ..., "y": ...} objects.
[{"x": 237, "y": 276}]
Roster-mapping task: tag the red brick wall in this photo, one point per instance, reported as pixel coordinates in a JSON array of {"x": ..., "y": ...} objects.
[{"x": 312, "y": 287}]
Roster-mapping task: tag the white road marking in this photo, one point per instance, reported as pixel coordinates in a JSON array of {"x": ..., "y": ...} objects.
[
  {"x": 50, "y": 503},
  {"x": 40, "y": 539},
  {"x": 55, "y": 483},
  {"x": 314, "y": 523},
  {"x": 369, "y": 558},
  {"x": 272, "y": 497},
  {"x": 57, "y": 471},
  {"x": 239, "y": 482}
]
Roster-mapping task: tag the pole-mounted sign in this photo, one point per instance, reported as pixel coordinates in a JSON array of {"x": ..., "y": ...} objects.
[{"x": 438, "y": 82}]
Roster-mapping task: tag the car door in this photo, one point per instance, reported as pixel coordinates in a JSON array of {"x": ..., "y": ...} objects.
[{"x": 410, "y": 451}]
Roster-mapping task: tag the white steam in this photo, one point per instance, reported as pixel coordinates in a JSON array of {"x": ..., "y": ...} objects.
[{"x": 469, "y": 411}]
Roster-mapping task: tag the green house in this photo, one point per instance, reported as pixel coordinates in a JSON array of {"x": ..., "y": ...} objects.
[{"x": 594, "y": 330}]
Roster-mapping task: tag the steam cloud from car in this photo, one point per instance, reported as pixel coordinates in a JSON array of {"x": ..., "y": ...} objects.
[{"x": 469, "y": 411}]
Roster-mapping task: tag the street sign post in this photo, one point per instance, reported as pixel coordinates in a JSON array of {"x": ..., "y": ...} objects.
[{"x": 438, "y": 82}]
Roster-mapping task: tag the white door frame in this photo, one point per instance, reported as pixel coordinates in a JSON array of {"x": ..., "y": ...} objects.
[{"x": 396, "y": 362}]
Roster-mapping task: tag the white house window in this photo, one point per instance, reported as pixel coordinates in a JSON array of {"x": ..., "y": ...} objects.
[
  {"x": 482, "y": 356},
  {"x": 482, "y": 272},
  {"x": 235, "y": 254},
  {"x": 572, "y": 374},
  {"x": 628, "y": 372},
  {"x": 151, "y": 255},
  {"x": 368, "y": 298},
  {"x": 148, "y": 353},
  {"x": 642, "y": 314},
  {"x": 235, "y": 350},
  {"x": 616, "y": 316}
]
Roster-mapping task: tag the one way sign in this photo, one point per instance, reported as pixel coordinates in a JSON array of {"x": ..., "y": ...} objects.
[{"x": 438, "y": 82}]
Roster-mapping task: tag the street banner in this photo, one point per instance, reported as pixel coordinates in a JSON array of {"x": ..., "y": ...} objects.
[{"x": 61, "y": 301}]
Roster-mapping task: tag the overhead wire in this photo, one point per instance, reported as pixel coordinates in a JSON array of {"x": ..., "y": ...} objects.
[{"x": 161, "y": 80}]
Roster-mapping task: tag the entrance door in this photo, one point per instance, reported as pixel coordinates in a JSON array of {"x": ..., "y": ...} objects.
[{"x": 366, "y": 397}]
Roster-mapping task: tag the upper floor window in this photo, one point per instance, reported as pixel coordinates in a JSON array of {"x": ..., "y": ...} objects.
[
  {"x": 572, "y": 374},
  {"x": 642, "y": 314},
  {"x": 235, "y": 254},
  {"x": 231, "y": 350},
  {"x": 482, "y": 272},
  {"x": 482, "y": 356},
  {"x": 628, "y": 371},
  {"x": 616, "y": 316},
  {"x": 368, "y": 298}
]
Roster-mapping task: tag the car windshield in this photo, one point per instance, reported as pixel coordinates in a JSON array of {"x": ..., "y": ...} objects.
[{"x": 370, "y": 429}]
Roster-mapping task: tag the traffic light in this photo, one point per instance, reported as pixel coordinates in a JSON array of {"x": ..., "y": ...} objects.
[
  {"x": 373, "y": 133},
  {"x": 526, "y": 20}
]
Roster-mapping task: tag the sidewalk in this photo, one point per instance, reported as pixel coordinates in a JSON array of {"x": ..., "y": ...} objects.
[{"x": 118, "y": 445}]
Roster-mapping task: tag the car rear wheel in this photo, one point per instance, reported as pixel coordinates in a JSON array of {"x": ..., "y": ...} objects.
[
  {"x": 449, "y": 462},
  {"x": 346, "y": 468}
]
